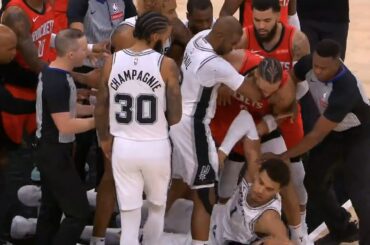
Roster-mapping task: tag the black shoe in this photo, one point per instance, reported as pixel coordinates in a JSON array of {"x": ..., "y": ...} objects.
[{"x": 348, "y": 235}]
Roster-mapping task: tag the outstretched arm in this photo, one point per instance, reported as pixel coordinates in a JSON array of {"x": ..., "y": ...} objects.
[
  {"x": 230, "y": 7},
  {"x": 270, "y": 224}
]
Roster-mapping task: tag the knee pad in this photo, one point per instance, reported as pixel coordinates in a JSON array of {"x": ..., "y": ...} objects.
[
  {"x": 229, "y": 178},
  {"x": 204, "y": 197},
  {"x": 297, "y": 177}
]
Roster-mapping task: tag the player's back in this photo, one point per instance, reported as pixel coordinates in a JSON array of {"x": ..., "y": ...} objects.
[
  {"x": 199, "y": 98},
  {"x": 137, "y": 96}
]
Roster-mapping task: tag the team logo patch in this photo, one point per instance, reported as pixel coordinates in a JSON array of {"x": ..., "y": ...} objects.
[{"x": 117, "y": 12}]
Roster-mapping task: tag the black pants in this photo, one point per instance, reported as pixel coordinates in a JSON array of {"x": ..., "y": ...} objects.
[
  {"x": 319, "y": 30},
  {"x": 353, "y": 147},
  {"x": 62, "y": 192}
]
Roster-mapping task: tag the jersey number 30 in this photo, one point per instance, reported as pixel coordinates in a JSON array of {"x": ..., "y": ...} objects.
[{"x": 144, "y": 106}]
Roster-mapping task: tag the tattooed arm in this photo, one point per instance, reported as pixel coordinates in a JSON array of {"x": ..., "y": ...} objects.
[
  {"x": 18, "y": 21},
  {"x": 230, "y": 7},
  {"x": 301, "y": 46}
]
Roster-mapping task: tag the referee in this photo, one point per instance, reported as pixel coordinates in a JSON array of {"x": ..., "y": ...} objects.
[
  {"x": 56, "y": 108},
  {"x": 341, "y": 132}
]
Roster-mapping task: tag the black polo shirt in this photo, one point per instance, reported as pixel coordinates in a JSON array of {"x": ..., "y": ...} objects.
[
  {"x": 56, "y": 92},
  {"x": 342, "y": 100}
]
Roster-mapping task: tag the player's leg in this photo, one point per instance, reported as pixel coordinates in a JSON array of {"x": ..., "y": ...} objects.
[
  {"x": 105, "y": 203},
  {"x": 229, "y": 177},
  {"x": 129, "y": 187},
  {"x": 156, "y": 173}
]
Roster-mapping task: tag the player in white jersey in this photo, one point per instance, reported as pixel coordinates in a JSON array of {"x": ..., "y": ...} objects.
[
  {"x": 141, "y": 88},
  {"x": 194, "y": 154},
  {"x": 122, "y": 36},
  {"x": 253, "y": 213}
]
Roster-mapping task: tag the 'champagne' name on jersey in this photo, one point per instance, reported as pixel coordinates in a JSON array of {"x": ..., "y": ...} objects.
[{"x": 135, "y": 75}]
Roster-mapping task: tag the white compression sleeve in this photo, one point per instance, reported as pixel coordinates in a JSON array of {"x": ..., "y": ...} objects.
[
  {"x": 293, "y": 20},
  {"x": 243, "y": 125}
]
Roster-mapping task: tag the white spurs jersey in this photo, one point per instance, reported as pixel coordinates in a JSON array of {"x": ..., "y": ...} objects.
[
  {"x": 240, "y": 218},
  {"x": 132, "y": 22},
  {"x": 137, "y": 96},
  {"x": 203, "y": 71}
]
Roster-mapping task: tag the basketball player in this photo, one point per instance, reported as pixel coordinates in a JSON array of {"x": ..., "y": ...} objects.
[
  {"x": 194, "y": 154},
  {"x": 270, "y": 38},
  {"x": 288, "y": 13},
  {"x": 253, "y": 213},
  {"x": 122, "y": 36},
  {"x": 141, "y": 88},
  {"x": 199, "y": 15},
  {"x": 32, "y": 22},
  {"x": 57, "y": 109}
]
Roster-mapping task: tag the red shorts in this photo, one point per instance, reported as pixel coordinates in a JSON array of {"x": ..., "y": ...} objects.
[{"x": 15, "y": 126}]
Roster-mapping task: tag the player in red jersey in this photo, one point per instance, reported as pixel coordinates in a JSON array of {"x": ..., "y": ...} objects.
[
  {"x": 260, "y": 112},
  {"x": 288, "y": 13},
  {"x": 33, "y": 22}
]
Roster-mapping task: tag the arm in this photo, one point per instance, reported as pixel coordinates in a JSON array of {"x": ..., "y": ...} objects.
[
  {"x": 102, "y": 105},
  {"x": 90, "y": 79},
  {"x": 271, "y": 224},
  {"x": 321, "y": 129},
  {"x": 293, "y": 19},
  {"x": 252, "y": 152},
  {"x": 84, "y": 110},
  {"x": 230, "y": 7},
  {"x": 76, "y": 12},
  {"x": 171, "y": 75},
  {"x": 249, "y": 89},
  {"x": 68, "y": 125},
  {"x": 17, "y": 20},
  {"x": 130, "y": 9},
  {"x": 301, "y": 46}
]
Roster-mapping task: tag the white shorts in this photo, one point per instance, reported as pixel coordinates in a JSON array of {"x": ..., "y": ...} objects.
[
  {"x": 141, "y": 166},
  {"x": 194, "y": 156}
]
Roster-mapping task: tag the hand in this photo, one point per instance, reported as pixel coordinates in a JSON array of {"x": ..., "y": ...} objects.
[
  {"x": 106, "y": 146},
  {"x": 83, "y": 93},
  {"x": 101, "y": 47},
  {"x": 221, "y": 160},
  {"x": 224, "y": 95}
]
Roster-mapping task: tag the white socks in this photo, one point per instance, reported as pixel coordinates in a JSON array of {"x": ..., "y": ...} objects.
[
  {"x": 97, "y": 240},
  {"x": 197, "y": 242},
  {"x": 153, "y": 227},
  {"x": 130, "y": 225},
  {"x": 297, "y": 233}
]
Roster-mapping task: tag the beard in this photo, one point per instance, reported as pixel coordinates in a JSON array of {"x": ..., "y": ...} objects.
[
  {"x": 158, "y": 47},
  {"x": 269, "y": 36}
]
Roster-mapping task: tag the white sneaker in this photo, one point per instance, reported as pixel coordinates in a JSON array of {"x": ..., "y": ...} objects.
[
  {"x": 22, "y": 227},
  {"x": 30, "y": 195}
]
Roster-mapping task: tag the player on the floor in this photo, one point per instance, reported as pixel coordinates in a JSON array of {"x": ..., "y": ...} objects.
[
  {"x": 140, "y": 90},
  {"x": 253, "y": 212}
]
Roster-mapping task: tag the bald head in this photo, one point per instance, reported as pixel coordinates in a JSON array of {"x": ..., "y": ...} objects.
[
  {"x": 228, "y": 26},
  {"x": 225, "y": 34},
  {"x": 8, "y": 44}
]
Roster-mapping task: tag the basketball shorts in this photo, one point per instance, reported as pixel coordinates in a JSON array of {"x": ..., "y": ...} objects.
[
  {"x": 194, "y": 157},
  {"x": 141, "y": 166}
]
